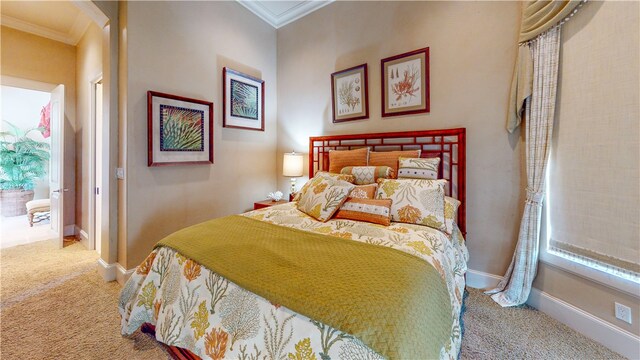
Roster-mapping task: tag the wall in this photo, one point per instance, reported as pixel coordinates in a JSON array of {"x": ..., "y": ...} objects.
[
  {"x": 88, "y": 67},
  {"x": 180, "y": 48},
  {"x": 600, "y": 67},
  {"x": 32, "y": 57},
  {"x": 22, "y": 107},
  {"x": 472, "y": 53}
]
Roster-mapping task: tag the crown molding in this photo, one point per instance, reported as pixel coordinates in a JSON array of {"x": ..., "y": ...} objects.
[
  {"x": 79, "y": 27},
  {"x": 289, "y": 16},
  {"x": 36, "y": 29}
]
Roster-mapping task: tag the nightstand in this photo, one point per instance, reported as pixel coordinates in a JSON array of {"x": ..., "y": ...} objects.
[{"x": 267, "y": 203}]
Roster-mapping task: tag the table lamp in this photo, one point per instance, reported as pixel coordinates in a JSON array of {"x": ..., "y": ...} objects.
[{"x": 292, "y": 167}]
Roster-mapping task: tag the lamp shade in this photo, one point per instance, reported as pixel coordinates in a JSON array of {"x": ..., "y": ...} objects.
[{"x": 292, "y": 165}]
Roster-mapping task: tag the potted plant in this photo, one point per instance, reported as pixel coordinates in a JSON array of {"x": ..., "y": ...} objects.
[{"x": 22, "y": 161}]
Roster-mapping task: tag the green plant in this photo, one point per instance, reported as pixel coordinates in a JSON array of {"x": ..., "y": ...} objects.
[{"x": 22, "y": 159}]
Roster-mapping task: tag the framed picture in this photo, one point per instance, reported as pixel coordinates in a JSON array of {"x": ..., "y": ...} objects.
[
  {"x": 243, "y": 101},
  {"x": 349, "y": 94},
  {"x": 405, "y": 83},
  {"x": 180, "y": 130}
]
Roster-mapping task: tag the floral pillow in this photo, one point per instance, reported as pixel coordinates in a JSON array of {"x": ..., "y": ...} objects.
[
  {"x": 323, "y": 197},
  {"x": 418, "y": 168},
  {"x": 415, "y": 201},
  {"x": 450, "y": 213},
  {"x": 368, "y": 174}
]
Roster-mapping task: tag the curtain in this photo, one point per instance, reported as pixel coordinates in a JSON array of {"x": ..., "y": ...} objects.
[
  {"x": 515, "y": 286},
  {"x": 538, "y": 16}
]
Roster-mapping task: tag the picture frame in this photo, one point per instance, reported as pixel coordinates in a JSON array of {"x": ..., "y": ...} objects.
[
  {"x": 242, "y": 101},
  {"x": 350, "y": 94},
  {"x": 405, "y": 83},
  {"x": 180, "y": 130}
]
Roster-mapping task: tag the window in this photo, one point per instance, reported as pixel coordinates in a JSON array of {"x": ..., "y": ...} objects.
[{"x": 593, "y": 178}]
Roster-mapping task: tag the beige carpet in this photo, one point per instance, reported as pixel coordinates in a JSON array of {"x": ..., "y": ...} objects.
[{"x": 54, "y": 305}]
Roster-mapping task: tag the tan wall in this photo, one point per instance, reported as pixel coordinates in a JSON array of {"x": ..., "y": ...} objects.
[
  {"x": 472, "y": 52},
  {"x": 472, "y": 49},
  {"x": 35, "y": 58},
  {"x": 180, "y": 48},
  {"x": 88, "y": 67}
]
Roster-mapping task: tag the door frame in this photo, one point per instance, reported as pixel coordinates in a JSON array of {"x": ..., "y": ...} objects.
[
  {"x": 44, "y": 87},
  {"x": 93, "y": 132}
]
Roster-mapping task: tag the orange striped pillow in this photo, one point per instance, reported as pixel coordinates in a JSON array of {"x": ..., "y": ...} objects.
[
  {"x": 390, "y": 158},
  {"x": 368, "y": 210},
  {"x": 364, "y": 191},
  {"x": 341, "y": 158}
]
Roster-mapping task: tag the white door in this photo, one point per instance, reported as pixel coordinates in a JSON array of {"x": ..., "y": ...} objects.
[
  {"x": 98, "y": 166},
  {"x": 56, "y": 163}
]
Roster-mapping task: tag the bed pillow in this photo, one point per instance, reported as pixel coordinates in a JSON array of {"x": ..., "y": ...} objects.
[
  {"x": 341, "y": 158},
  {"x": 364, "y": 191},
  {"x": 369, "y": 210},
  {"x": 324, "y": 174},
  {"x": 450, "y": 213},
  {"x": 323, "y": 197},
  {"x": 415, "y": 201},
  {"x": 368, "y": 174},
  {"x": 344, "y": 177},
  {"x": 390, "y": 158},
  {"x": 418, "y": 168}
]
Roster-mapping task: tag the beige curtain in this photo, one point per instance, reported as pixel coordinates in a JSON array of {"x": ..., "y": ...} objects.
[
  {"x": 515, "y": 286},
  {"x": 537, "y": 17}
]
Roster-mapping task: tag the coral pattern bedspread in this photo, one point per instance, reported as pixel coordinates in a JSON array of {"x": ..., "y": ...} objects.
[{"x": 199, "y": 310}]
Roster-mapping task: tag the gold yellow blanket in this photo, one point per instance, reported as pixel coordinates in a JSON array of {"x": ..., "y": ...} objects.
[{"x": 396, "y": 303}]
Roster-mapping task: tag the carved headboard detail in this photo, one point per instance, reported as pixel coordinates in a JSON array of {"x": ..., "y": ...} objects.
[{"x": 448, "y": 144}]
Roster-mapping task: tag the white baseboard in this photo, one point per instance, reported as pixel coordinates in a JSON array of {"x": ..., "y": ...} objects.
[
  {"x": 607, "y": 334},
  {"x": 84, "y": 237},
  {"x": 122, "y": 275},
  {"x": 107, "y": 271},
  {"x": 69, "y": 230},
  {"x": 482, "y": 280}
]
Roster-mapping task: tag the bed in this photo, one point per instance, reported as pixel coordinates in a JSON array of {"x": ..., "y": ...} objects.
[{"x": 386, "y": 291}]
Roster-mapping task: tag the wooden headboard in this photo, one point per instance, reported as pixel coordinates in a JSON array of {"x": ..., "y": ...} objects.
[{"x": 448, "y": 144}]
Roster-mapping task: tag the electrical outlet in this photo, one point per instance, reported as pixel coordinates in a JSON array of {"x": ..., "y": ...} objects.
[{"x": 623, "y": 313}]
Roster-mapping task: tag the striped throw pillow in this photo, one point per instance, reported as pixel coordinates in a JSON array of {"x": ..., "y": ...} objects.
[
  {"x": 368, "y": 174},
  {"x": 390, "y": 158},
  {"x": 418, "y": 168},
  {"x": 341, "y": 158},
  {"x": 368, "y": 210}
]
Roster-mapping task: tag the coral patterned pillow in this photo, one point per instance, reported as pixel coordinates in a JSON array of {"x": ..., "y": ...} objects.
[
  {"x": 323, "y": 197},
  {"x": 450, "y": 213},
  {"x": 364, "y": 191},
  {"x": 368, "y": 174},
  {"x": 369, "y": 210},
  {"x": 341, "y": 158},
  {"x": 418, "y": 168},
  {"x": 415, "y": 201},
  {"x": 347, "y": 178}
]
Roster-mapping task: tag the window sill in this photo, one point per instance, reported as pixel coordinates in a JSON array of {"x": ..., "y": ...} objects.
[{"x": 607, "y": 279}]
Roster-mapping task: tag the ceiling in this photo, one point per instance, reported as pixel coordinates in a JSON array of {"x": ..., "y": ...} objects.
[
  {"x": 280, "y": 13},
  {"x": 57, "y": 20}
]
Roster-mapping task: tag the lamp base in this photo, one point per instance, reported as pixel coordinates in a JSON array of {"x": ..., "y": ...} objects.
[{"x": 293, "y": 185}]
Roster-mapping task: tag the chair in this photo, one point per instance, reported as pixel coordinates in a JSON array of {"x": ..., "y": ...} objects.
[{"x": 40, "y": 206}]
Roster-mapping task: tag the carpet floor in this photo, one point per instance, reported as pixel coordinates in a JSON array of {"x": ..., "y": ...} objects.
[{"x": 54, "y": 305}]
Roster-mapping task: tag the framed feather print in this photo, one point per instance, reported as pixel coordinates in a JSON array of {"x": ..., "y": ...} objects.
[
  {"x": 243, "y": 101},
  {"x": 180, "y": 130}
]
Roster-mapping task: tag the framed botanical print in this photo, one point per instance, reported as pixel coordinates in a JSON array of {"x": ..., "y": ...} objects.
[
  {"x": 349, "y": 94},
  {"x": 243, "y": 101},
  {"x": 405, "y": 83},
  {"x": 180, "y": 130}
]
